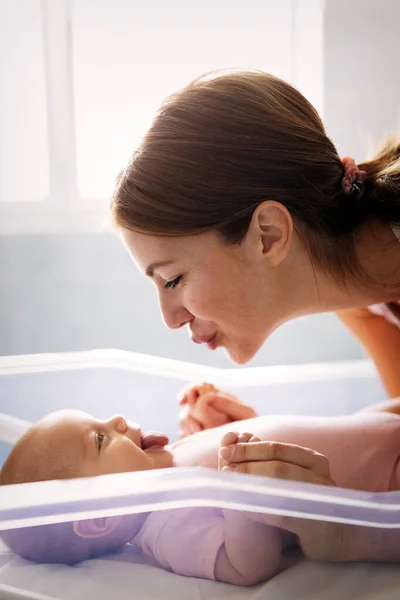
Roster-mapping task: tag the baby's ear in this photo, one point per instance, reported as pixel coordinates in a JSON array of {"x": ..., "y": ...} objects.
[{"x": 96, "y": 528}]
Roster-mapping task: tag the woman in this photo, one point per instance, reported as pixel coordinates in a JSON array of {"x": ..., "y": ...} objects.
[{"x": 239, "y": 208}]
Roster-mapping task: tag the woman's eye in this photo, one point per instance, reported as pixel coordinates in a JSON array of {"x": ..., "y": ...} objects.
[
  {"x": 170, "y": 285},
  {"x": 100, "y": 437}
]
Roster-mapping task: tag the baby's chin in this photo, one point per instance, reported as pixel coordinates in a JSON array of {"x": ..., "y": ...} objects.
[{"x": 161, "y": 457}]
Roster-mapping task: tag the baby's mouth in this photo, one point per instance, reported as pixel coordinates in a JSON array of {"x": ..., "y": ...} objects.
[{"x": 153, "y": 439}]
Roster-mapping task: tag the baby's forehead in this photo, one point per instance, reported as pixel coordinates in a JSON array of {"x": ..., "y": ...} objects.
[
  {"x": 62, "y": 432},
  {"x": 65, "y": 417},
  {"x": 52, "y": 448}
]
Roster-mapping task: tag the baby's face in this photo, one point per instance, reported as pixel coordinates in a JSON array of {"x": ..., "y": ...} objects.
[{"x": 86, "y": 447}]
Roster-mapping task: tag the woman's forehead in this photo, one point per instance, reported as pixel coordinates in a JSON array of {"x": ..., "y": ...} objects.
[{"x": 149, "y": 250}]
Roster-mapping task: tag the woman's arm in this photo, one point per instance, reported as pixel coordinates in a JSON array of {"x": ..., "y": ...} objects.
[{"x": 381, "y": 340}]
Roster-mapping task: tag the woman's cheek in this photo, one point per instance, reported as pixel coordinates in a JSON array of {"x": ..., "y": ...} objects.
[{"x": 200, "y": 301}]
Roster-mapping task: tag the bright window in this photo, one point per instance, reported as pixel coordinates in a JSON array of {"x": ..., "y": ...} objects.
[
  {"x": 81, "y": 81},
  {"x": 24, "y": 168}
]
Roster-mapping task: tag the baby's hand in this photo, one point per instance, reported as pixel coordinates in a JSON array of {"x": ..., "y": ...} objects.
[
  {"x": 233, "y": 438},
  {"x": 196, "y": 414},
  {"x": 205, "y": 407},
  {"x": 192, "y": 393}
]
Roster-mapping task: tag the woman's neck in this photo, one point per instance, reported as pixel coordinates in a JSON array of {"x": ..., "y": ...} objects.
[
  {"x": 378, "y": 252},
  {"x": 307, "y": 289}
]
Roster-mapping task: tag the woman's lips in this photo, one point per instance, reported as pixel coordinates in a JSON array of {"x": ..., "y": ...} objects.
[
  {"x": 153, "y": 439},
  {"x": 210, "y": 342}
]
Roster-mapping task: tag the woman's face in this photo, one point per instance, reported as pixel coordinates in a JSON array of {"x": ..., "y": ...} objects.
[{"x": 228, "y": 295}]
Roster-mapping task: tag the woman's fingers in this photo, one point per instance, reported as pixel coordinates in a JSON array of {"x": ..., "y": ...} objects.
[
  {"x": 278, "y": 470},
  {"x": 230, "y": 437},
  {"x": 218, "y": 409},
  {"x": 277, "y": 452},
  {"x": 208, "y": 415},
  {"x": 230, "y": 405},
  {"x": 247, "y": 438},
  {"x": 211, "y": 408},
  {"x": 191, "y": 394},
  {"x": 233, "y": 437}
]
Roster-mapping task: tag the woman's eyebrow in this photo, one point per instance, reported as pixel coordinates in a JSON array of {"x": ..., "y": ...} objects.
[{"x": 156, "y": 265}]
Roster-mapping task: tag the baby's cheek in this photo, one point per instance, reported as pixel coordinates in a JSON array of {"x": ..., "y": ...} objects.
[
  {"x": 138, "y": 461},
  {"x": 123, "y": 456}
]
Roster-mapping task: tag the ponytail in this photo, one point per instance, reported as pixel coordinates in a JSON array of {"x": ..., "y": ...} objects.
[{"x": 382, "y": 187}]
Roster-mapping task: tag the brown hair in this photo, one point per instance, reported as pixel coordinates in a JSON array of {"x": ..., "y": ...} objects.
[{"x": 228, "y": 142}]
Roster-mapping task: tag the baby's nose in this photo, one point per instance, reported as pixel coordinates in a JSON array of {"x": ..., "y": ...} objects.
[{"x": 120, "y": 424}]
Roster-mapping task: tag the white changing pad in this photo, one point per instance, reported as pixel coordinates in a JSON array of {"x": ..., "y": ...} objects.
[{"x": 127, "y": 575}]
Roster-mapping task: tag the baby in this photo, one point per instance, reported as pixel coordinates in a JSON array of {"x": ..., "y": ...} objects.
[{"x": 241, "y": 548}]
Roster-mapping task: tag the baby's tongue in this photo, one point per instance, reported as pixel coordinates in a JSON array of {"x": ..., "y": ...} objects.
[{"x": 153, "y": 438}]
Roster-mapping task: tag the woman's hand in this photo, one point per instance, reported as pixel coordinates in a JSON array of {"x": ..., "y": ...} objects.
[
  {"x": 205, "y": 407},
  {"x": 273, "y": 459},
  {"x": 245, "y": 453}
]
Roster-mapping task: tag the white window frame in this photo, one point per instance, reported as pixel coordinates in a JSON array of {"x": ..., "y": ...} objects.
[{"x": 64, "y": 210}]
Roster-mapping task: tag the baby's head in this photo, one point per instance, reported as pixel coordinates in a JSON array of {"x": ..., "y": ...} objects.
[{"x": 69, "y": 444}]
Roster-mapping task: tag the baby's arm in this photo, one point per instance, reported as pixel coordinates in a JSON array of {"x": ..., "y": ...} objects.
[
  {"x": 252, "y": 551},
  {"x": 391, "y": 406}
]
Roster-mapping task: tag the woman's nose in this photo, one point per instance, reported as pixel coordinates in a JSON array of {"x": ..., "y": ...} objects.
[{"x": 175, "y": 316}]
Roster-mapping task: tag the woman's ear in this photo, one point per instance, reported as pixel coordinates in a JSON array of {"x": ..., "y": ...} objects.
[
  {"x": 96, "y": 528},
  {"x": 272, "y": 226}
]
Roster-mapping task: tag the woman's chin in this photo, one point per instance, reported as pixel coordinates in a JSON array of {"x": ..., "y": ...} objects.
[{"x": 241, "y": 356}]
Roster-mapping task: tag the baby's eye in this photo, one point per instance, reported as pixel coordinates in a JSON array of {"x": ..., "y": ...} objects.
[
  {"x": 100, "y": 437},
  {"x": 170, "y": 285}
]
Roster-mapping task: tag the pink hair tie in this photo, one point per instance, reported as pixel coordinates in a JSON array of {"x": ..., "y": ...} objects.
[{"x": 353, "y": 177}]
